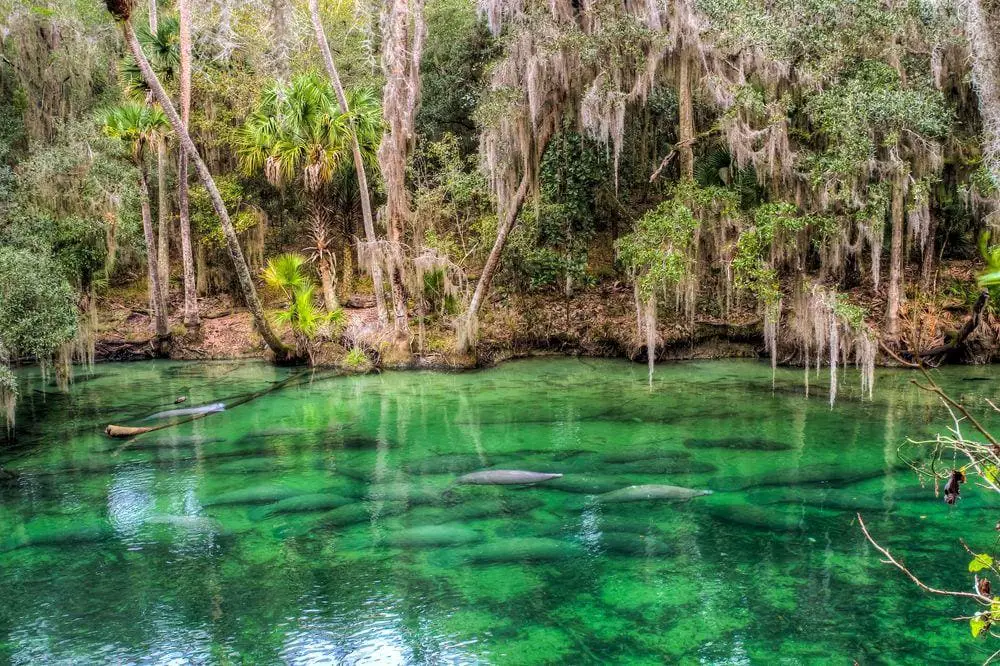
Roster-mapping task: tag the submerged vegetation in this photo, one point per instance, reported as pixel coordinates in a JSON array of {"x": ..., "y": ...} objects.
[{"x": 816, "y": 172}]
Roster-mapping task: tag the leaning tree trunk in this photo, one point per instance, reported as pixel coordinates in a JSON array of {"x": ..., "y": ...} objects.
[
  {"x": 191, "y": 317},
  {"x": 232, "y": 242},
  {"x": 156, "y": 299},
  {"x": 467, "y": 338},
  {"x": 359, "y": 164},
  {"x": 685, "y": 112},
  {"x": 894, "y": 295}
]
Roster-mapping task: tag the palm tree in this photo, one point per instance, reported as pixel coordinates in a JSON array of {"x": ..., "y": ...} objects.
[
  {"x": 138, "y": 125},
  {"x": 121, "y": 10},
  {"x": 359, "y": 162},
  {"x": 191, "y": 317},
  {"x": 160, "y": 42},
  {"x": 298, "y": 135}
]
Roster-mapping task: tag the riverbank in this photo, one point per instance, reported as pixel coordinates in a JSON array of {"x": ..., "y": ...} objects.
[{"x": 597, "y": 321}]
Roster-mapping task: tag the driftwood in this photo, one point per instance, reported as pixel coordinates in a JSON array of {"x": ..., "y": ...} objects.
[
  {"x": 970, "y": 326},
  {"x": 125, "y": 431}
]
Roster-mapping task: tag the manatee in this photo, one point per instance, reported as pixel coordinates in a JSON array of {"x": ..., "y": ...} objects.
[
  {"x": 433, "y": 536},
  {"x": 652, "y": 492},
  {"x": 738, "y": 444},
  {"x": 771, "y": 519},
  {"x": 586, "y": 484},
  {"x": 188, "y": 411},
  {"x": 189, "y": 523},
  {"x": 665, "y": 466},
  {"x": 402, "y": 492},
  {"x": 165, "y": 443},
  {"x": 265, "y": 494},
  {"x": 831, "y": 474},
  {"x": 45, "y": 533},
  {"x": 505, "y": 477},
  {"x": 352, "y": 514},
  {"x": 629, "y": 456},
  {"x": 250, "y": 465},
  {"x": 524, "y": 549},
  {"x": 446, "y": 464},
  {"x": 842, "y": 500},
  {"x": 628, "y": 543},
  {"x": 300, "y": 504}
]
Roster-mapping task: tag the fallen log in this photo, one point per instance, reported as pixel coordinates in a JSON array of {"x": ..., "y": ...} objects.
[{"x": 125, "y": 431}]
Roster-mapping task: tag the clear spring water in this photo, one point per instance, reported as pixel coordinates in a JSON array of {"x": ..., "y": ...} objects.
[{"x": 320, "y": 523}]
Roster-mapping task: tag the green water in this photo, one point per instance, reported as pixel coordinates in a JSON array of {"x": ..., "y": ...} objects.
[{"x": 320, "y": 523}]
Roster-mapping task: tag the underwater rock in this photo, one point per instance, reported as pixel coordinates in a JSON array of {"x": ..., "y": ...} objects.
[
  {"x": 525, "y": 549},
  {"x": 300, "y": 504},
  {"x": 433, "y": 536},
  {"x": 738, "y": 444},
  {"x": 505, "y": 477},
  {"x": 265, "y": 494},
  {"x": 180, "y": 399},
  {"x": 652, "y": 492},
  {"x": 189, "y": 411}
]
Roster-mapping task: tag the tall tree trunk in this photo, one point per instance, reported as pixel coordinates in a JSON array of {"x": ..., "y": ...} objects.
[
  {"x": 232, "y": 242},
  {"x": 192, "y": 319},
  {"x": 162, "y": 217},
  {"x": 982, "y": 28},
  {"x": 685, "y": 112},
  {"x": 359, "y": 164},
  {"x": 402, "y": 45},
  {"x": 929, "y": 258},
  {"x": 894, "y": 295},
  {"x": 156, "y": 299}
]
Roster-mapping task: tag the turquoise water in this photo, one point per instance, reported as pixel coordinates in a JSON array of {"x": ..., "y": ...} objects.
[{"x": 322, "y": 523}]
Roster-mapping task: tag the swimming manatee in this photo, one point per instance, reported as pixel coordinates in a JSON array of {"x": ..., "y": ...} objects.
[
  {"x": 652, "y": 492},
  {"x": 767, "y": 518},
  {"x": 449, "y": 464},
  {"x": 634, "y": 545},
  {"x": 586, "y": 484},
  {"x": 433, "y": 536},
  {"x": 505, "y": 477},
  {"x": 526, "y": 549},
  {"x": 188, "y": 523},
  {"x": 738, "y": 444},
  {"x": 57, "y": 533},
  {"x": 300, "y": 504},
  {"x": 265, "y": 494},
  {"x": 189, "y": 411},
  {"x": 829, "y": 474}
]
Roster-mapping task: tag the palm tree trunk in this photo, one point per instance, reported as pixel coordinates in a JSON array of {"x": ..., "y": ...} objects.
[
  {"x": 326, "y": 279},
  {"x": 359, "y": 165},
  {"x": 157, "y": 302},
  {"x": 162, "y": 217},
  {"x": 232, "y": 242},
  {"x": 192, "y": 319},
  {"x": 929, "y": 256},
  {"x": 894, "y": 295}
]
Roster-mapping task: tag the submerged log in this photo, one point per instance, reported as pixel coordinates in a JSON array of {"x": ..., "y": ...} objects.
[{"x": 125, "y": 431}]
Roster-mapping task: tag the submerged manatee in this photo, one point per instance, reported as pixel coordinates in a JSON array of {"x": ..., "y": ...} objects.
[
  {"x": 433, "y": 536},
  {"x": 652, "y": 492},
  {"x": 831, "y": 474},
  {"x": 525, "y": 549},
  {"x": 300, "y": 504},
  {"x": 254, "y": 495},
  {"x": 505, "y": 477},
  {"x": 738, "y": 444},
  {"x": 665, "y": 466},
  {"x": 770, "y": 518},
  {"x": 633, "y": 545},
  {"x": 631, "y": 456},
  {"x": 586, "y": 484},
  {"x": 449, "y": 464},
  {"x": 189, "y": 411},
  {"x": 46, "y": 533},
  {"x": 189, "y": 523}
]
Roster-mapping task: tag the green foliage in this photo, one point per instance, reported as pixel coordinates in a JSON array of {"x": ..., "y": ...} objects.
[
  {"x": 286, "y": 273},
  {"x": 303, "y": 316},
  {"x": 204, "y": 221},
  {"x": 136, "y": 125},
  {"x": 752, "y": 268},
  {"x": 659, "y": 252},
  {"x": 438, "y": 299},
  {"x": 991, "y": 255},
  {"x": 37, "y": 306},
  {"x": 356, "y": 359},
  {"x": 162, "y": 49}
]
